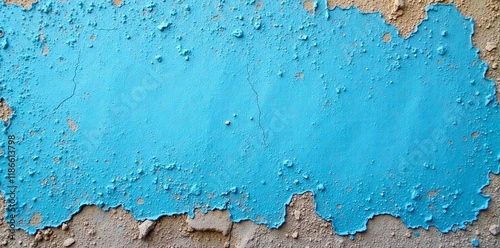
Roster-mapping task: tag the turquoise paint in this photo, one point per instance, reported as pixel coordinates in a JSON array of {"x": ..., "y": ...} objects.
[
  {"x": 315, "y": 103},
  {"x": 475, "y": 242}
]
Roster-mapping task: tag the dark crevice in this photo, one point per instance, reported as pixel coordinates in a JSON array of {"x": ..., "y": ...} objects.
[
  {"x": 258, "y": 106},
  {"x": 74, "y": 82},
  {"x": 106, "y": 29}
]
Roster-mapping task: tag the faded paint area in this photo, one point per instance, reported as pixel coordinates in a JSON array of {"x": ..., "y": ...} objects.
[
  {"x": 405, "y": 18},
  {"x": 387, "y": 37},
  {"x": 238, "y": 106},
  {"x": 310, "y": 6},
  {"x": 118, "y": 2},
  {"x": 5, "y": 111},
  {"x": 36, "y": 219},
  {"x": 27, "y": 4},
  {"x": 72, "y": 125}
]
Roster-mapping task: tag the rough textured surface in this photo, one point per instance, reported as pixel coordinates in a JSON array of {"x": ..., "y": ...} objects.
[
  {"x": 485, "y": 13},
  {"x": 216, "y": 220},
  {"x": 347, "y": 104},
  {"x": 382, "y": 230},
  {"x": 117, "y": 228}
]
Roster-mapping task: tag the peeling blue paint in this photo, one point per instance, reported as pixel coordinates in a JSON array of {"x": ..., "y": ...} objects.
[{"x": 316, "y": 103}]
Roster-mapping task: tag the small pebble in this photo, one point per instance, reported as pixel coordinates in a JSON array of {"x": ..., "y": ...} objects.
[
  {"x": 38, "y": 237},
  {"x": 295, "y": 235},
  {"x": 68, "y": 242},
  {"x": 146, "y": 227},
  {"x": 494, "y": 230},
  {"x": 227, "y": 123},
  {"x": 399, "y": 4},
  {"x": 65, "y": 227},
  {"x": 297, "y": 214},
  {"x": 47, "y": 232},
  {"x": 490, "y": 46}
]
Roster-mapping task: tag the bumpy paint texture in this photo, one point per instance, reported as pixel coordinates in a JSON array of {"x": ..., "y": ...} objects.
[{"x": 127, "y": 106}]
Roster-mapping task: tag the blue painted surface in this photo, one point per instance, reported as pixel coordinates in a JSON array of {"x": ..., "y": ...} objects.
[
  {"x": 315, "y": 103},
  {"x": 475, "y": 242}
]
